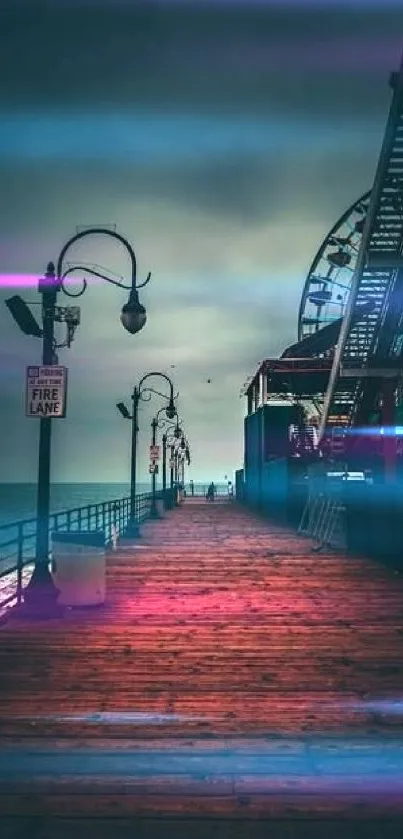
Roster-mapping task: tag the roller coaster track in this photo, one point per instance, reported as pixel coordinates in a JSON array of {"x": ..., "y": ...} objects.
[{"x": 370, "y": 346}]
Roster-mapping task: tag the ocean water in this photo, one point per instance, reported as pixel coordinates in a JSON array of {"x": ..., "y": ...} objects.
[{"x": 18, "y": 501}]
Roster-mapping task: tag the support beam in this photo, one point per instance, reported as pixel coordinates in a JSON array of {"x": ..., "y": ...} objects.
[
  {"x": 383, "y": 260},
  {"x": 370, "y": 373}
]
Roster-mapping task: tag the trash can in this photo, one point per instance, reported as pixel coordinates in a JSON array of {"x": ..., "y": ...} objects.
[{"x": 79, "y": 567}]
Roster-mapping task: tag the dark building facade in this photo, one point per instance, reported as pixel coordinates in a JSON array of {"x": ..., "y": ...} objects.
[{"x": 279, "y": 442}]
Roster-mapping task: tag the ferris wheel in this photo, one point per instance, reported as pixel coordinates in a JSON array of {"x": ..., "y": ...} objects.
[{"x": 329, "y": 279}]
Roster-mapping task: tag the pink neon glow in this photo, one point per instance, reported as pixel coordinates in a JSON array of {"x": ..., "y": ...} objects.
[
  {"x": 18, "y": 280},
  {"x": 30, "y": 280}
]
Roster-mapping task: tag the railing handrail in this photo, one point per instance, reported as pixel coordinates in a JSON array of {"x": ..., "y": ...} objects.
[
  {"x": 98, "y": 515},
  {"x": 71, "y": 510},
  {"x": 201, "y": 489}
]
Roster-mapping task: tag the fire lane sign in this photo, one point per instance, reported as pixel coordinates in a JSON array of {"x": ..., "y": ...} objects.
[{"x": 46, "y": 389}]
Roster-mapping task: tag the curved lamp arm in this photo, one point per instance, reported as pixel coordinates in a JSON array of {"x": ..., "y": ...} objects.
[
  {"x": 95, "y": 273},
  {"x": 149, "y": 391},
  {"x": 156, "y": 373},
  {"x": 133, "y": 315},
  {"x": 146, "y": 398},
  {"x": 104, "y": 231},
  {"x": 171, "y": 407},
  {"x": 172, "y": 426},
  {"x": 158, "y": 392}
]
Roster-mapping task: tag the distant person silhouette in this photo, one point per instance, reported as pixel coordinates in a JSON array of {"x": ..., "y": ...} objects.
[
  {"x": 192, "y": 488},
  {"x": 210, "y": 492}
]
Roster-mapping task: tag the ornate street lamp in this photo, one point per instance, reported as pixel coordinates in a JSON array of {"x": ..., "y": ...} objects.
[
  {"x": 183, "y": 455},
  {"x": 179, "y": 452},
  {"x": 166, "y": 425},
  {"x": 132, "y": 530},
  {"x": 40, "y": 595},
  {"x": 172, "y": 433}
]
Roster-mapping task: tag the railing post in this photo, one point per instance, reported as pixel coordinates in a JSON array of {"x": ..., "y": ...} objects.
[
  {"x": 109, "y": 510},
  {"x": 20, "y": 561}
]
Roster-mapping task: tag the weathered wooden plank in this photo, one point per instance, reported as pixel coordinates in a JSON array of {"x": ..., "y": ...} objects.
[
  {"x": 242, "y": 806},
  {"x": 232, "y": 627},
  {"x": 202, "y": 828}
]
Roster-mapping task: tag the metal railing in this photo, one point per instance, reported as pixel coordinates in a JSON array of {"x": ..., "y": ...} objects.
[
  {"x": 18, "y": 538},
  {"x": 324, "y": 516},
  {"x": 200, "y": 490}
]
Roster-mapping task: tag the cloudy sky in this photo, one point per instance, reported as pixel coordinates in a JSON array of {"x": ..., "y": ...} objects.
[{"x": 223, "y": 139}]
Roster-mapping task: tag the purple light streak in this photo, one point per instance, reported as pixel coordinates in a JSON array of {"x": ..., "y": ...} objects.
[{"x": 31, "y": 281}]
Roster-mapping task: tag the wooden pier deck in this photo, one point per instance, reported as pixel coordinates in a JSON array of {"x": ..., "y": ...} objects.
[{"x": 235, "y": 684}]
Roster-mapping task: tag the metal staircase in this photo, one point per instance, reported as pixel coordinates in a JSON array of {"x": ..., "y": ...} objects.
[{"x": 370, "y": 345}]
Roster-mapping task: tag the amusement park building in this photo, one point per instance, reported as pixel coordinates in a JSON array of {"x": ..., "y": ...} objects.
[{"x": 344, "y": 375}]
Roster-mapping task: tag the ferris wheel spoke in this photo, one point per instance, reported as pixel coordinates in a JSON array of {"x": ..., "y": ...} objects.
[{"x": 328, "y": 283}]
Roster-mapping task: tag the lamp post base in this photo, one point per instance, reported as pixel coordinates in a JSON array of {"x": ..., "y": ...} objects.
[
  {"x": 40, "y": 596},
  {"x": 154, "y": 514},
  {"x": 132, "y": 532}
]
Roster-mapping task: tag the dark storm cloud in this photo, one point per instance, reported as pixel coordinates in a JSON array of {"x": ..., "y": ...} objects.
[
  {"x": 215, "y": 59},
  {"x": 250, "y": 188},
  {"x": 224, "y": 142},
  {"x": 167, "y": 138}
]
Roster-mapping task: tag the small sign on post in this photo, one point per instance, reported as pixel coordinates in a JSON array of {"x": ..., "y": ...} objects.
[
  {"x": 153, "y": 468},
  {"x": 46, "y": 389},
  {"x": 154, "y": 452}
]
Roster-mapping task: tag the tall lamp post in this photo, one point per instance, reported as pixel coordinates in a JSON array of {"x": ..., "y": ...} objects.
[
  {"x": 179, "y": 452},
  {"x": 172, "y": 432},
  {"x": 153, "y": 509},
  {"x": 183, "y": 454},
  {"x": 165, "y": 425},
  {"x": 172, "y": 465},
  {"x": 132, "y": 530},
  {"x": 40, "y": 595}
]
